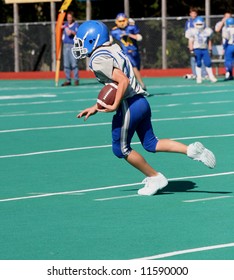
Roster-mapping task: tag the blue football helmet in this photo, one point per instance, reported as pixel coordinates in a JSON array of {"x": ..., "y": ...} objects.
[
  {"x": 90, "y": 35},
  {"x": 229, "y": 22},
  {"x": 199, "y": 22}
]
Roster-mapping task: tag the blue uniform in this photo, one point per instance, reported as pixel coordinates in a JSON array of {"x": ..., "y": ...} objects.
[
  {"x": 190, "y": 24},
  {"x": 228, "y": 39},
  {"x": 200, "y": 40},
  {"x": 128, "y": 45},
  {"x": 70, "y": 63},
  {"x": 133, "y": 114}
]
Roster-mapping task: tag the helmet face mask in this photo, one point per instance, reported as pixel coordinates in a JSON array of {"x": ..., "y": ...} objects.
[
  {"x": 78, "y": 50},
  {"x": 90, "y": 35},
  {"x": 199, "y": 23}
]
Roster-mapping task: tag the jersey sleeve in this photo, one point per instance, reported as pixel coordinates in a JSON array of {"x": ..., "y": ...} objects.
[{"x": 210, "y": 32}]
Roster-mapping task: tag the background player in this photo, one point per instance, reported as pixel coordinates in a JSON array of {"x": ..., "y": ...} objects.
[
  {"x": 127, "y": 34},
  {"x": 200, "y": 46},
  {"x": 220, "y": 26},
  {"x": 133, "y": 113},
  {"x": 228, "y": 37},
  {"x": 193, "y": 13}
]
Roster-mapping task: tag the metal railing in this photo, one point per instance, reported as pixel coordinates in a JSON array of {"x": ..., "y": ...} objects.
[{"x": 36, "y": 51}]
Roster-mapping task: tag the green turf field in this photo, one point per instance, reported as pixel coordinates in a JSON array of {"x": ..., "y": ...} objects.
[{"x": 65, "y": 196}]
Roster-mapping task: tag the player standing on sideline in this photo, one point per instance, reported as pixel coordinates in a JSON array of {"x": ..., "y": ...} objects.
[
  {"x": 200, "y": 46},
  {"x": 193, "y": 13},
  {"x": 69, "y": 62},
  {"x": 127, "y": 34},
  {"x": 220, "y": 27},
  {"x": 133, "y": 113},
  {"x": 228, "y": 37}
]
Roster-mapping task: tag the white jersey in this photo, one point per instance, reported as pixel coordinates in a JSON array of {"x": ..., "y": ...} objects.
[
  {"x": 104, "y": 59},
  {"x": 228, "y": 34},
  {"x": 200, "y": 38}
]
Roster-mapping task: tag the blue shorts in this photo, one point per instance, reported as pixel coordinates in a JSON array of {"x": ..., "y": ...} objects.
[
  {"x": 202, "y": 55},
  {"x": 133, "y": 115}
]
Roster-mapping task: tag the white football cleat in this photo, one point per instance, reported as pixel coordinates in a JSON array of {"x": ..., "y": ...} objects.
[
  {"x": 199, "y": 80},
  {"x": 153, "y": 184},
  {"x": 213, "y": 79},
  {"x": 198, "y": 152}
]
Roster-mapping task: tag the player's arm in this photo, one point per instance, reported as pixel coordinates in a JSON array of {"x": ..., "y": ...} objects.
[
  {"x": 191, "y": 43},
  {"x": 210, "y": 46},
  {"x": 138, "y": 37},
  {"x": 122, "y": 80}
]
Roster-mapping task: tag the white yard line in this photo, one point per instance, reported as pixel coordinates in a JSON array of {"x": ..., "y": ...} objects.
[
  {"x": 110, "y": 187},
  {"x": 105, "y": 146},
  {"x": 187, "y": 251}
]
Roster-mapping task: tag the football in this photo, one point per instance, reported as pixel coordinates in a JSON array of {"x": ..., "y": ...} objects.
[{"x": 106, "y": 95}]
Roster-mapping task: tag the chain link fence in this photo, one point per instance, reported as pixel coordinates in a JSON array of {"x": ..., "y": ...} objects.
[{"x": 36, "y": 50}]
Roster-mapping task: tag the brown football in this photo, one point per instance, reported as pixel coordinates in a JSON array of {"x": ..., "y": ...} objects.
[{"x": 106, "y": 95}]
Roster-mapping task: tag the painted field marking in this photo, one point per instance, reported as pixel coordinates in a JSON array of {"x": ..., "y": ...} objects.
[
  {"x": 26, "y": 96},
  {"x": 109, "y": 123},
  {"x": 187, "y": 251},
  {"x": 36, "y": 114},
  {"x": 110, "y": 187},
  {"x": 115, "y": 197},
  {"x": 208, "y": 198},
  {"x": 106, "y": 146}
]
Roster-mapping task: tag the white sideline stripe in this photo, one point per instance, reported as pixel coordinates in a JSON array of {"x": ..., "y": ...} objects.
[
  {"x": 115, "y": 197},
  {"x": 208, "y": 198},
  {"x": 172, "y": 179},
  {"x": 37, "y": 114},
  {"x": 171, "y": 254},
  {"x": 195, "y": 117},
  {"x": 111, "y": 187},
  {"x": 6, "y": 97},
  {"x": 109, "y": 123},
  {"x": 47, "y": 102},
  {"x": 53, "y": 127},
  {"x": 64, "y": 112},
  {"x": 56, "y": 151},
  {"x": 106, "y": 146}
]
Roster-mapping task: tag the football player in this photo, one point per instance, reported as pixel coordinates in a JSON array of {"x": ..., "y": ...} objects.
[
  {"x": 200, "y": 46},
  {"x": 228, "y": 37},
  {"x": 127, "y": 34},
  {"x": 133, "y": 113}
]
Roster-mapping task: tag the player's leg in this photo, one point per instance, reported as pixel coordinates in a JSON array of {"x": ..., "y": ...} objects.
[
  {"x": 66, "y": 62},
  {"x": 229, "y": 62},
  {"x": 138, "y": 77},
  {"x": 74, "y": 67},
  {"x": 207, "y": 62},
  {"x": 198, "y": 59},
  {"x": 134, "y": 58},
  {"x": 124, "y": 125},
  {"x": 195, "y": 150},
  {"x": 171, "y": 146},
  {"x": 193, "y": 67}
]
